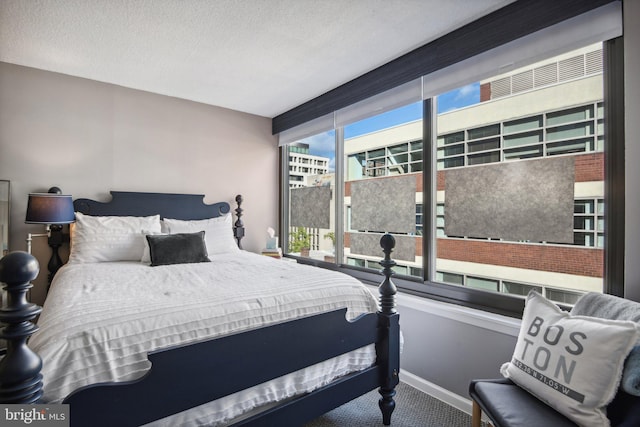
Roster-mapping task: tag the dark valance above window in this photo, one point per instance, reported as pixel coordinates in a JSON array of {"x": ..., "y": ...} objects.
[{"x": 513, "y": 21}]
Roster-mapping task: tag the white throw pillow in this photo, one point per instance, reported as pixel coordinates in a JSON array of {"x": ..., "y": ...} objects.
[
  {"x": 573, "y": 363},
  {"x": 110, "y": 238},
  {"x": 218, "y": 232}
]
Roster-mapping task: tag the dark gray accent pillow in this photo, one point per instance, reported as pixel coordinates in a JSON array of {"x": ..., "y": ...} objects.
[{"x": 180, "y": 248}]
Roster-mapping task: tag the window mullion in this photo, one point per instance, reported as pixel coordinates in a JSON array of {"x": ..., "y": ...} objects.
[
  {"x": 284, "y": 198},
  {"x": 340, "y": 211},
  {"x": 429, "y": 182},
  {"x": 614, "y": 215}
]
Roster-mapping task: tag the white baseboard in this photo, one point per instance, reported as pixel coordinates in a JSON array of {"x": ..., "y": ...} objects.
[
  {"x": 461, "y": 403},
  {"x": 436, "y": 391}
]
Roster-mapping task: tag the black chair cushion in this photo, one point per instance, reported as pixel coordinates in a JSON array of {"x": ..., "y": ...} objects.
[
  {"x": 506, "y": 404},
  {"x": 624, "y": 410}
]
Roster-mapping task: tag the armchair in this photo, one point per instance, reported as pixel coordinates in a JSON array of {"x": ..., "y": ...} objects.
[{"x": 506, "y": 403}]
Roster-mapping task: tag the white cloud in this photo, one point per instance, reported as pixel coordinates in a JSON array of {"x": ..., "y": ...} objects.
[
  {"x": 465, "y": 91},
  {"x": 322, "y": 142}
]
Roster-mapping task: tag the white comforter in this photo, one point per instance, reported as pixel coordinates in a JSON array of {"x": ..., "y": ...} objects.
[{"x": 100, "y": 320}]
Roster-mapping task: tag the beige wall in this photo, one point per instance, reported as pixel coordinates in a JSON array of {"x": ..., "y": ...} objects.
[{"x": 89, "y": 138}]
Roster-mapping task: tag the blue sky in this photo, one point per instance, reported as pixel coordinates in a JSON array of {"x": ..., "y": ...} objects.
[{"x": 323, "y": 144}]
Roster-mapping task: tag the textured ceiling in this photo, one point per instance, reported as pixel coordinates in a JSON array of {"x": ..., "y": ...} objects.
[{"x": 258, "y": 56}]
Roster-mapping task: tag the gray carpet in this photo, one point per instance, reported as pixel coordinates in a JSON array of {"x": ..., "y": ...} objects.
[{"x": 413, "y": 409}]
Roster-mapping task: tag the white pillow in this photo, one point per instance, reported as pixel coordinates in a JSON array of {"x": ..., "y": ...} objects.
[
  {"x": 572, "y": 363},
  {"x": 146, "y": 252},
  {"x": 110, "y": 238},
  {"x": 218, "y": 232}
]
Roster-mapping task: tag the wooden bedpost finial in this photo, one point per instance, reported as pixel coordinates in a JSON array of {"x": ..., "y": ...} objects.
[
  {"x": 238, "y": 227},
  {"x": 387, "y": 289},
  {"x": 20, "y": 377},
  {"x": 389, "y": 350}
]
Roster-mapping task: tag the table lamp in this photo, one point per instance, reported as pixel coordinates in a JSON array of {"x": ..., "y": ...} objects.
[{"x": 52, "y": 209}]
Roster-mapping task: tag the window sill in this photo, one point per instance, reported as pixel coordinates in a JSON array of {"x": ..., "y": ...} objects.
[
  {"x": 488, "y": 303},
  {"x": 471, "y": 316}
]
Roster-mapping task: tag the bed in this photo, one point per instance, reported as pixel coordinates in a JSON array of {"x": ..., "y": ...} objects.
[{"x": 236, "y": 338}]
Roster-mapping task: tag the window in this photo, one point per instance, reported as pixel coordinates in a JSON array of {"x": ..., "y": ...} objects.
[
  {"x": 483, "y": 283},
  {"x": 311, "y": 230},
  {"x": 589, "y": 222},
  {"x": 563, "y": 296},
  {"x": 396, "y": 160},
  {"x": 452, "y": 278},
  {"x": 509, "y": 156},
  {"x": 490, "y": 214},
  {"x": 523, "y": 289},
  {"x": 384, "y": 160},
  {"x": 419, "y": 220}
]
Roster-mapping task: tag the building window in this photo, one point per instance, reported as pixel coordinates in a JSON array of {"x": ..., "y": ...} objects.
[
  {"x": 508, "y": 287},
  {"x": 419, "y": 220},
  {"x": 523, "y": 289},
  {"x": 589, "y": 222},
  {"x": 566, "y": 131},
  {"x": 387, "y": 161},
  {"x": 451, "y": 278},
  {"x": 483, "y": 283},
  {"x": 563, "y": 296}
]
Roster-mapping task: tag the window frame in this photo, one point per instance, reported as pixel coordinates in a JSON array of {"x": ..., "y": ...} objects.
[
  {"x": 614, "y": 168},
  {"x": 614, "y": 214}
]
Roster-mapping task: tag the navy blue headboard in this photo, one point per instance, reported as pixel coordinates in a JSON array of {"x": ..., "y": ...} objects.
[{"x": 177, "y": 206}]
